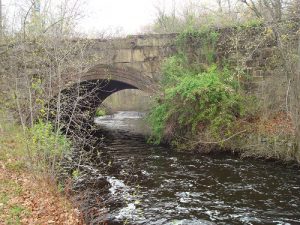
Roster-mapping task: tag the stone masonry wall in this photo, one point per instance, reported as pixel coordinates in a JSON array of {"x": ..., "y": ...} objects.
[{"x": 254, "y": 54}]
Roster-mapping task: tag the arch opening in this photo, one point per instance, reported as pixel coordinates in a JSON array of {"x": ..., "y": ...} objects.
[
  {"x": 79, "y": 102},
  {"x": 127, "y": 100}
]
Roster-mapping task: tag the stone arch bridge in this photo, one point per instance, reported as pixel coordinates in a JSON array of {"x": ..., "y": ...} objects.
[
  {"x": 123, "y": 63},
  {"x": 135, "y": 62},
  {"x": 131, "y": 62}
]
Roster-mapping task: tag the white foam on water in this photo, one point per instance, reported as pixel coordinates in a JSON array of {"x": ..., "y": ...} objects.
[{"x": 116, "y": 185}]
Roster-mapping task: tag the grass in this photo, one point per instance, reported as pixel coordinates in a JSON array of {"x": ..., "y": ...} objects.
[
  {"x": 27, "y": 195},
  {"x": 15, "y": 215},
  {"x": 11, "y": 212}
]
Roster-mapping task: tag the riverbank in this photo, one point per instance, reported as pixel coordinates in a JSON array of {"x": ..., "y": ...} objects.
[
  {"x": 267, "y": 139},
  {"x": 272, "y": 138},
  {"x": 28, "y": 196}
]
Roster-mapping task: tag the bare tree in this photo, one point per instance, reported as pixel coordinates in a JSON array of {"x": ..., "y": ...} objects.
[
  {"x": 1, "y": 19},
  {"x": 273, "y": 10},
  {"x": 35, "y": 69},
  {"x": 219, "y": 2}
]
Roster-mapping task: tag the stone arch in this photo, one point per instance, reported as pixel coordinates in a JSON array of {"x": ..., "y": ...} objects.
[
  {"x": 80, "y": 99},
  {"x": 125, "y": 74}
]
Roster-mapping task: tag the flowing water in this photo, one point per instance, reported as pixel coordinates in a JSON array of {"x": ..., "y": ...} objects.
[{"x": 155, "y": 185}]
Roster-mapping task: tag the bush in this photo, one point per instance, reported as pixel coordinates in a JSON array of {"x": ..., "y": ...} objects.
[
  {"x": 100, "y": 112},
  {"x": 200, "y": 44},
  {"x": 46, "y": 145},
  {"x": 195, "y": 102}
]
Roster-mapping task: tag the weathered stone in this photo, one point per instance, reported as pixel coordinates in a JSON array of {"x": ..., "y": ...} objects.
[
  {"x": 138, "y": 55},
  {"x": 258, "y": 73},
  {"x": 123, "y": 55},
  {"x": 135, "y": 65},
  {"x": 256, "y": 54},
  {"x": 151, "y": 52},
  {"x": 147, "y": 42},
  {"x": 261, "y": 63},
  {"x": 267, "y": 73}
]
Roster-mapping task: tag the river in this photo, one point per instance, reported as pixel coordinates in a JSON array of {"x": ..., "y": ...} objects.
[{"x": 154, "y": 185}]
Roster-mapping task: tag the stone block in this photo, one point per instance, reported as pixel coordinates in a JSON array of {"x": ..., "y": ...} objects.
[
  {"x": 123, "y": 55},
  {"x": 151, "y": 52},
  {"x": 249, "y": 71},
  {"x": 134, "y": 65},
  {"x": 148, "y": 67},
  {"x": 121, "y": 43},
  {"x": 166, "y": 41},
  {"x": 268, "y": 73},
  {"x": 258, "y": 73},
  {"x": 256, "y": 54},
  {"x": 261, "y": 63},
  {"x": 138, "y": 55},
  {"x": 149, "y": 41}
]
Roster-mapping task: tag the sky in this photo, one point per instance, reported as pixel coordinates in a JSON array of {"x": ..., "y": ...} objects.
[{"x": 129, "y": 16}]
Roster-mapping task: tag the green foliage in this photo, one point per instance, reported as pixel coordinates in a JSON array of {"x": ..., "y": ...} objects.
[
  {"x": 194, "y": 101},
  {"x": 199, "y": 43},
  {"x": 75, "y": 174},
  {"x": 100, "y": 112},
  {"x": 16, "y": 166},
  {"x": 47, "y": 144},
  {"x": 173, "y": 68},
  {"x": 15, "y": 213},
  {"x": 157, "y": 119},
  {"x": 255, "y": 22},
  {"x": 199, "y": 98}
]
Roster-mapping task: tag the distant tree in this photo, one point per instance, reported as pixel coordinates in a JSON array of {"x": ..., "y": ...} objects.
[
  {"x": 274, "y": 10},
  {"x": 195, "y": 15},
  {"x": 293, "y": 9}
]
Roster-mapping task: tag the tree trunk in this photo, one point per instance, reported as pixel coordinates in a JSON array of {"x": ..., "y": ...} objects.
[{"x": 297, "y": 98}]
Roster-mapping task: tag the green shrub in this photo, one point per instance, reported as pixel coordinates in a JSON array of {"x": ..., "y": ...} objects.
[
  {"x": 47, "y": 145},
  {"x": 174, "y": 68},
  {"x": 157, "y": 119},
  {"x": 200, "y": 98},
  {"x": 251, "y": 23},
  {"x": 199, "y": 43},
  {"x": 207, "y": 101},
  {"x": 100, "y": 112}
]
